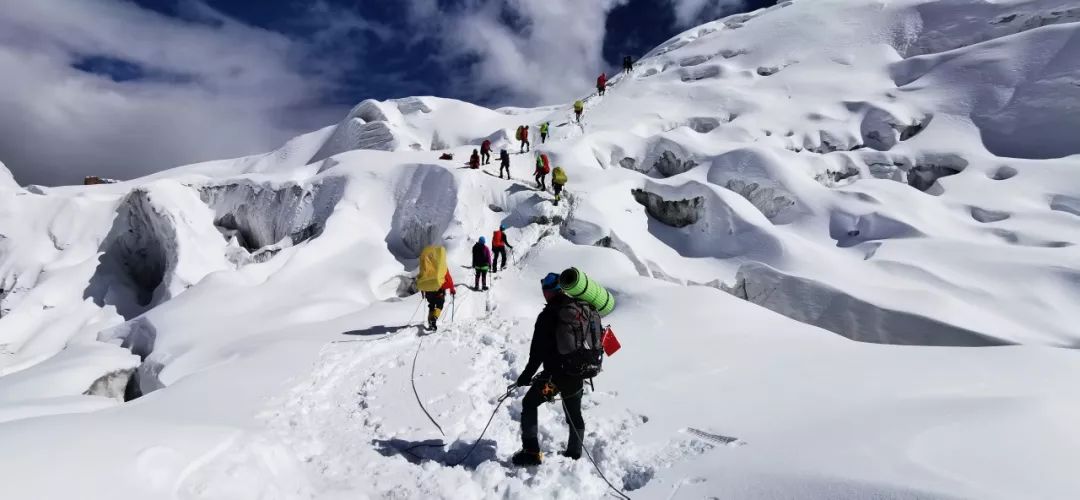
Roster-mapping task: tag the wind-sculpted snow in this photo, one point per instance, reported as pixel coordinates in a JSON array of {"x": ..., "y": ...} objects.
[
  {"x": 162, "y": 242},
  {"x": 7, "y": 181},
  {"x": 675, "y": 213},
  {"x": 425, "y": 204},
  {"x": 261, "y": 218},
  {"x": 822, "y": 212}
]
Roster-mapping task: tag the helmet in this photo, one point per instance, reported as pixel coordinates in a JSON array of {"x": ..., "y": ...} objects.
[
  {"x": 550, "y": 282},
  {"x": 482, "y": 240},
  {"x": 502, "y": 227}
]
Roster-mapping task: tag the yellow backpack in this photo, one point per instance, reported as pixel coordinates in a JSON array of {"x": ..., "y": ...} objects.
[
  {"x": 559, "y": 176},
  {"x": 432, "y": 269},
  {"x": 579, "y": 106}
]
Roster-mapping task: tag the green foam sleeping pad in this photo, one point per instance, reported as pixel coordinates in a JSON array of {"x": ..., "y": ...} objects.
[{"x": 578, "y": 285}]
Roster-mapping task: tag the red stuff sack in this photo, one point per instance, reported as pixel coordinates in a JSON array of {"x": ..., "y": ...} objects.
[{"x": 609, "y": 342}]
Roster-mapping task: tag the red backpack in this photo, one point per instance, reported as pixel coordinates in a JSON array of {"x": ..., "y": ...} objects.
[{"x": 547, "y": 164}]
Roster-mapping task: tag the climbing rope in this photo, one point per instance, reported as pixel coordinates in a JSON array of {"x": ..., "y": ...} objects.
[
  {"x": 412, "y": 379},
  {"x": 587, "y": 454},
  {"x": 439, "y": 444}
]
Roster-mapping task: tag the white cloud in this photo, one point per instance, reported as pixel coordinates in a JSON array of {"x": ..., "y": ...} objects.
[
  {"x": 226, "y": 90},
  {"x": 693, "y": 12},
  {"x": 524, "y": 51}
]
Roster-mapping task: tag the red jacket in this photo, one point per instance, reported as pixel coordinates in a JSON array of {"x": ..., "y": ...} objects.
[
  {"x": 601, "y": 81},
  {"x": 448, "y": 284},
  {"x": 524, "y": 133},
  {"x": 486, "y": 146}
]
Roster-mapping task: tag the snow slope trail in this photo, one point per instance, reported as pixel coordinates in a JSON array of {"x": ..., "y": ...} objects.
[
  {"x": 802, "y": 211},
  {"x": 349, "y": 427}
]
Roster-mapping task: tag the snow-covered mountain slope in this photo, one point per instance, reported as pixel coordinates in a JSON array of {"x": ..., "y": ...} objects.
[{"x": 758, "y": 193}]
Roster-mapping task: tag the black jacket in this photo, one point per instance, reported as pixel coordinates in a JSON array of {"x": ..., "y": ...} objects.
[
  {"x": 481, "y": 256},
  {"x": 504, "y": 158},
  {"x": 542, "y": 350}
]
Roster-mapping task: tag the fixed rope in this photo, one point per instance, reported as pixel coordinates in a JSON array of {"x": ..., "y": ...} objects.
[
  {"x": 412, "y": 380},
  {"x": 439, "y": 444},
  {"x": 581, "y": 436}
]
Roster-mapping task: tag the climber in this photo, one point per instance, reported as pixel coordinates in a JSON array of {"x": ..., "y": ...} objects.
[
  {"x": 578, "y": 108},
  {"x": 504, "y": 163},
  {"x": 544, "y": 132},
  {"x": 627, "y": 64},
  {"x": 542, "y": 169},
  {"x": 474, "y": 160},
  {"x": 498, "y": 247},
  {"x": 601, "y": 83},
  {"x": 485, "y": 152},
  {"x": 558, "y": 180},
  {"x": 525, "y": 146},
  {"x": 562, "y": 316},
  {"x": 481, "y": 261},
  {"x": 437, "y": 299}
]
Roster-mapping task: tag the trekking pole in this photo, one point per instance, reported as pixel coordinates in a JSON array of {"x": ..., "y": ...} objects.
[{"x": 453, "y": 306}]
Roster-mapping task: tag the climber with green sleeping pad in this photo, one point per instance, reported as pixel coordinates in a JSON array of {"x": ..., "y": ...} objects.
[{"x": 578, "y": 285}]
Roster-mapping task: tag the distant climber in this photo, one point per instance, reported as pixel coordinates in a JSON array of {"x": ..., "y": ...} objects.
[
  {"x": 558, "y": 180},
  {"x": 601, "y": 83},
  {"x": 474, "y": 160},
  {"x": 544, "y": 132},
  {"x": 499, "y": 243},
  {"x": 523, "y": 136},
  {"x": 627, "y": 64},
  {"x": 543, "y": 166},
  {"x": 563, "y": 322},
  {"x": 578, "y": 108},
  {"x": 485, "y": 152},
  {"x": 481, "y": 261},
  {"x": 504, "y": 163},
  {"x": 437, "y": 300}
]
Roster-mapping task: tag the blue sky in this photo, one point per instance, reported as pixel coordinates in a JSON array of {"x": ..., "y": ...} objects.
[{"x": 126, "y": 87}]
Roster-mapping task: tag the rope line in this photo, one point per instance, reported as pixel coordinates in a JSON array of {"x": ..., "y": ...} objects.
[
  {"x": 587, "y": 454},
  {"x": 412, "y": 380}
]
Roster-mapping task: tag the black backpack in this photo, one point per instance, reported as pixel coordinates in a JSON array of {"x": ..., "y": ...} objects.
[{"x": 578, "y": 337}]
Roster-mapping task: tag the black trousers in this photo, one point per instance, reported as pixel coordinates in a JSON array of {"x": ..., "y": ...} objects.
[
  {"x": 540, "y": 181},
  {"x": 497, "y": 251},
  {"x": 543, "y": 137},
  {"x": 481, "y": 275},
  {"x": 435, "y": 302},
  {"x": 504, "y": 166},
  {"x": 570, "y": 390},
  {"x": 485, "y": 157},
  {"x": 525, "y": 146}
]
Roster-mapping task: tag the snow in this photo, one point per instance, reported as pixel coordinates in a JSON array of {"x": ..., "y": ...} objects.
[{"x": 841, "y": 235}]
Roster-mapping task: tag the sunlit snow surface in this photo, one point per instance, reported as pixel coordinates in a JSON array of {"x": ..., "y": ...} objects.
[{"x": 758, "y": 192}]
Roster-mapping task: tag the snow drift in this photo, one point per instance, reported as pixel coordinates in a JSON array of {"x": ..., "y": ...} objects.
[{"x": 859, "y": 235}]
